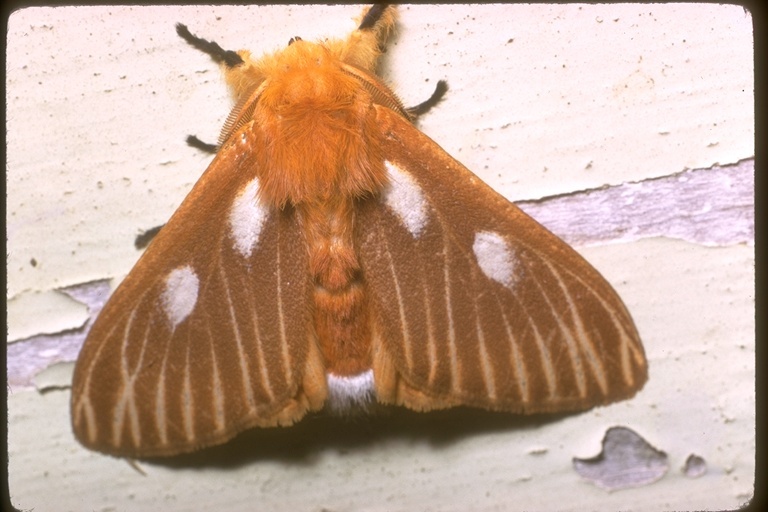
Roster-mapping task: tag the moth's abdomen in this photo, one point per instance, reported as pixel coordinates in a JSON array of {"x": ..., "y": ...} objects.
[{"x": 340, "y": 300}]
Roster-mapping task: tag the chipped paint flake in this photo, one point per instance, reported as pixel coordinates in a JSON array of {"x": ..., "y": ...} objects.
[
  {"x": 695, "y": 466},
  {"x": 627, "y": 460}
]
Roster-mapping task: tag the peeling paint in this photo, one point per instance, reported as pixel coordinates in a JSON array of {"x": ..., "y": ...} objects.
[
  {"x": 34, "y": 313},
  {"x": 538, "y": 450},
  {"x": 29, "y": 357},
  {"x": 627, "y": 460},
  {"x": 56, "y": 376},
  {"x": 712, "y": 207},
  {"x": 695, "y": 466}
]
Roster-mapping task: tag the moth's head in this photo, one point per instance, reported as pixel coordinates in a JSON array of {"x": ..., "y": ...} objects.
[
  {"x": 305, "y": 73},
  {"x": 361, "y": 49},
  {"x": 296, "y": 67}
]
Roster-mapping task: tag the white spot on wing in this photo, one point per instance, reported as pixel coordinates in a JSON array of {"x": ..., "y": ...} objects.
[
  {"x": 494, "y": 257},
  {"x": 404, "y": 197},
  {"x": 180, "y": 294},
  {"x": 246, "y": 218},
  {"x": 344, "y": 393}
]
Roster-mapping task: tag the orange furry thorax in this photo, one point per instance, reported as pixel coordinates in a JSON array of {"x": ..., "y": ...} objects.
[{"x": 316, "y": 126}]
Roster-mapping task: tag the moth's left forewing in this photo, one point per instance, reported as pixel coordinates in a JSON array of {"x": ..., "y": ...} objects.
[
  {"x": 210, "y": 333},
  {"x": 475, "y": 303}
]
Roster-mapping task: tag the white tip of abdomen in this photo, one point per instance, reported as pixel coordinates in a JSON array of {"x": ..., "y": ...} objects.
[{"x": 348, "y": 393}]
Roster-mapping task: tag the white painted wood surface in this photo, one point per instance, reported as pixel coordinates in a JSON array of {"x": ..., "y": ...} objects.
[{"x": 651, "y": 104}]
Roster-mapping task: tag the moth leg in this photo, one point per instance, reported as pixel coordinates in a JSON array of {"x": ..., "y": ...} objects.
[
  {"x": 379, "y": 19},
  {"x": 426, "y": 106},
  {"x": 219, "y": 55},
  {"x": 206, "y": 147},
  {"x": 142, "y": 239}
]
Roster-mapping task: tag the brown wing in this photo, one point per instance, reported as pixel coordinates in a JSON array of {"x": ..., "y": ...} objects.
[
  {"x": 477, "y": 304},
  {"x": 209, "y": 334}
]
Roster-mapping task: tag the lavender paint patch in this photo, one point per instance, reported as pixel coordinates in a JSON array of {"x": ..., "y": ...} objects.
[
  {"x": 627, "y": 460},
  {"x": 695, "y": 466}
]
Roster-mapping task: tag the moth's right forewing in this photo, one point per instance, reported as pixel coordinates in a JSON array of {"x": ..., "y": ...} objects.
[
  {"x": 210, "y": 333},
  {"x": 475, "y": 303}
]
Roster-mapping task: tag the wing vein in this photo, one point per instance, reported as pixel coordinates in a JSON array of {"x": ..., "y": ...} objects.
[
  {"x": 431, "y": 342},
  {"x": 452, "y": 350},
  {"x": 219, "y": 398},
  {"x": 187, "y": 403},
  {"x": 401, "y": 309},
  {"x": 242, "y": 357},
  {"x": 126, "y": 406},
  {"x": 545, "y": 357},
  {"x": 161, "y": 417},
  {"x": 264, "y": 372},
  {"x": 516, "y": 360},
  {"x": 579, "y": 336},
  {"x": 486, "y": 365},
  {"x": 281, "y": 316},
  {"x": 627, "y": 343}
]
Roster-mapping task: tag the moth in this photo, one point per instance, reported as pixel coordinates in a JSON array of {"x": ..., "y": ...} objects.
[{"x": 333, "y": 256}]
